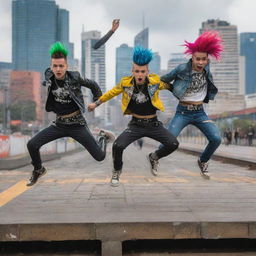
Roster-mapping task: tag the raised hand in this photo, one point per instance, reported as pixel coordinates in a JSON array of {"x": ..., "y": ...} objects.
[{"x": 115, "y": 24}]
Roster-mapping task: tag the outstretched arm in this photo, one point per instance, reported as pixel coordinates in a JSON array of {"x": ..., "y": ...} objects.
[
  {"x": 92, "y": 85},
  {"x": 106, "y": 96},
  {"x": 168, "y": 78},
  {"x": 104, "y": 39}
]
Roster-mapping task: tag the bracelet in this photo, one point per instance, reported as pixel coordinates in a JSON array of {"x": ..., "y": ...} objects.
[{"x": 97, "y": 102}]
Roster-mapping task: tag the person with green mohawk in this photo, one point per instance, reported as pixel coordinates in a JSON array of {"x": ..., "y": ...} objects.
[
  {"x": 65, "y": 99},
  {"x": 140, "y": 99}
]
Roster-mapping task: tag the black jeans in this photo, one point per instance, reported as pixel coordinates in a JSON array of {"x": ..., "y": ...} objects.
[
  {"x": 137, "y": 129},
  {"x": 79, "y": 133}
]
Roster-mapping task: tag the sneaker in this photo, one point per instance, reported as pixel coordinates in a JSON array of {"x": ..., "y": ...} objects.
[
  {"x": 36, "y": 174},
  {"x": 153, "y": 164},
  {"x": 115, "y": 178},
  {"x": 108, "y": 135},
  {"x": 203, "y": 168}
]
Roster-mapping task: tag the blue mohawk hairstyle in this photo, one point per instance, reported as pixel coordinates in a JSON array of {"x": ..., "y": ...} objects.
[{"x": 142, "y": 56}]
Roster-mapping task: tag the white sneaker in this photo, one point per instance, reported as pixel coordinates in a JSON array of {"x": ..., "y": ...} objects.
[
  {"x": 115, "y": 178},
  {"x": 154, "y": 164}
]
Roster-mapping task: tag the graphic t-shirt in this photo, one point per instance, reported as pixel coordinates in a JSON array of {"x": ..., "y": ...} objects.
[
  {"x": 63, "y": 102},
  {"x": 140, "y": 102},
  {"x": 197, "y": 89}
]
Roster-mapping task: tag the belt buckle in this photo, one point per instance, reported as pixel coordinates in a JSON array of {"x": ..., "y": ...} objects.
[{"x": 190, "y": 107}]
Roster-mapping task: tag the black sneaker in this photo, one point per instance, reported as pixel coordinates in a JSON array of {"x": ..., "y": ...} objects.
[
  {"x": 153, "y": 164},
  {"x": 36, "y": 174},
  {"x": 115, "y": 178},
  {"x": 203, "y": 169}
]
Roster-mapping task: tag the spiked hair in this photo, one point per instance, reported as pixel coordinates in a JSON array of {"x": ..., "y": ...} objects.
[
  {"x": 58, "y": 51},
  {"x": 142, "y": 56},
  {"x": 209, "y": 42}
]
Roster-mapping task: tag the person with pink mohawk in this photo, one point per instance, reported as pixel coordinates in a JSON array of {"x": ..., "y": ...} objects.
[{"x": 192, "y": 84}]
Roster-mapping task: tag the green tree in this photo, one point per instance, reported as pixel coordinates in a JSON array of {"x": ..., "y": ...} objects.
[
  {"x": 1, "y": 113},
  {"x": 243, "y": 124},
  {"x": 23, "y": 110}
]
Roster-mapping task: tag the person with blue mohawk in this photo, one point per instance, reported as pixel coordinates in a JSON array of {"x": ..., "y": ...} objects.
[
  {"x": 140, "y": 99},
  {"x": 65, "y": 99}
]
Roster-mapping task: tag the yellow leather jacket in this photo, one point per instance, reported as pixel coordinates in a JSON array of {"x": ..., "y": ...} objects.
[{"x": 126, "y": 87}]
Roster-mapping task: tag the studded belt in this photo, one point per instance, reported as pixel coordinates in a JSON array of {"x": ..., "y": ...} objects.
[
  {"x": 191, "y": 106},
  {"x": 73, "y": 120}
]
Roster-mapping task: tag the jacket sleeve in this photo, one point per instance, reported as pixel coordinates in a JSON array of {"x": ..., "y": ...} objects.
[
  {"x": 170, "y": 76},
  {"x": 103, "y": 40},
  {"x": 47, "y": 75},
  {"x": 92, "y": 85},
  {"x": 112, "y": 93},
  {"x": 165, "y": 86}
]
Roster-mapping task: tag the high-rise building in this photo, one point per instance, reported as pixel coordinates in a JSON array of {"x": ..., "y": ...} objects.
[
  {"x": 170, "y": 102},
  {"x": 26, "y": 86},
  {"x": 93, "y": 61},
  {"x": 93, "y": 67},
  {"x": 36, "y": 25},
  {"x": 175, "y": 60},
  {"x": 248, "y": 50},
  {"x": 5, "y": 73},
  {"x": 226, "y": 71},
  {"x": 155, "y": 64},
  {"x": 141, "y": 39},
  {"x": 123, "y": 61}
]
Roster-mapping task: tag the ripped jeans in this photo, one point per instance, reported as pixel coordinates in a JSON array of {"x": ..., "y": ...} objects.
[{"x": 183, "y": 117}]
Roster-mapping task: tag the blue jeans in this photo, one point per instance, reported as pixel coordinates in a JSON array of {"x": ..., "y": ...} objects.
[{"x": 198, "y": 118}]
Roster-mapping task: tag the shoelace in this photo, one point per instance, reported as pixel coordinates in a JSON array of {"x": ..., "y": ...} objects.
[
  {"x": 155, "y": 163},
  {"x": 115, "y": 175},
  {"x": 205, "y": 166},
  {"x": 32, "y": 177}
]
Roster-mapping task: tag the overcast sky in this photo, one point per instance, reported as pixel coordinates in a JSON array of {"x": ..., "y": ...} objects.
[{"x": 169, "y": 22}]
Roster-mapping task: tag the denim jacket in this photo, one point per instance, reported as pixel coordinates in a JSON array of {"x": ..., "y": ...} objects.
[
  {"x": 73, "y": 82},
  {"x": 182, "y": 76}
]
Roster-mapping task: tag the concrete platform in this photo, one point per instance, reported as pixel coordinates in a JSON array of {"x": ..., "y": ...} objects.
[
  {"x": 74, "y": 201},
  {"x": 243, "y": 155}
]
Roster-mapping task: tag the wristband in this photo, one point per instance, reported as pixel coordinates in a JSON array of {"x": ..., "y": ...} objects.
[{"x": 97, "y": 102}]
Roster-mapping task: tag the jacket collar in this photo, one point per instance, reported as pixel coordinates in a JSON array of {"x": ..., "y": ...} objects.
[{"x": 50, "y": 75}]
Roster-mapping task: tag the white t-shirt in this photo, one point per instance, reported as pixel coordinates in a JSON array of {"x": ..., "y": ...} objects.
[{"x": 197, "y": 89}]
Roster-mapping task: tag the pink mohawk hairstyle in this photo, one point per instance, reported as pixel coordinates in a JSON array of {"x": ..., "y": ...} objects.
[{"x": 209, "y": 42}]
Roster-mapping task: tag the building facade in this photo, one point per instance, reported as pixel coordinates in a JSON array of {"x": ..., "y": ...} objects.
[
  {"x": 36, "y": 25},
  {"x": 26, "y": 86},
  {"x": 141, "y": 39},
  {"x": 248, "y": 50},
  {"x": 123, "y": 61},
  {"x": 226, "y": 71}
]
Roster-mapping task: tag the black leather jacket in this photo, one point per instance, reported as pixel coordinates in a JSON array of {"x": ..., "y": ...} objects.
[{"x": 73, "y": 82}]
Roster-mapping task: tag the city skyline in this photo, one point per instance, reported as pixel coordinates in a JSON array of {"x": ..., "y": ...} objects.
[{"x": 167, "y": 31}]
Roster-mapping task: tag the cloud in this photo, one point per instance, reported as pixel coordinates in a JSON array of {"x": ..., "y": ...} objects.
[{"x": 170, "y": 22}]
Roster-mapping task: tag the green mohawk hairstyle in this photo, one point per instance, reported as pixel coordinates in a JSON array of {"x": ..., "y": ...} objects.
[{"x": 58, "y": 51}]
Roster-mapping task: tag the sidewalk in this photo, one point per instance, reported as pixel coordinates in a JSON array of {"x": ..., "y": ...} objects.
[
  {"x": 18, "y": 161},
  {"x": 242, "y": 154},
  {"x": 74, "y": 201}
]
